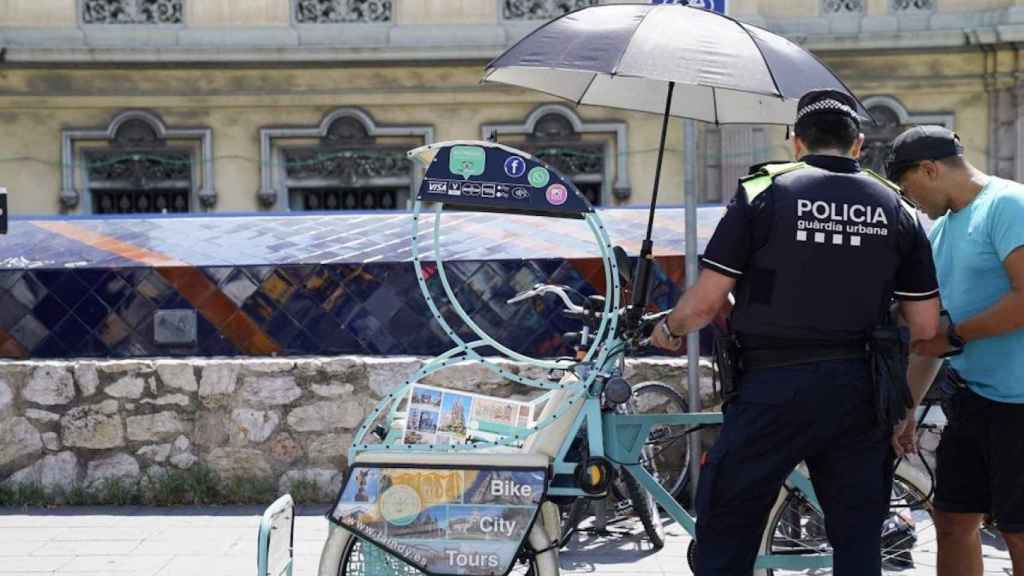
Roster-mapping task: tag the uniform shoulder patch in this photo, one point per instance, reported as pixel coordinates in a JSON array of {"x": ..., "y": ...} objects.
[{"x": 757, "y": 183}]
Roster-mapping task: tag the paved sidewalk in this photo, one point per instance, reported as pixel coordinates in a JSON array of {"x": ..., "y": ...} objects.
[{"x": 221, "y": 541}]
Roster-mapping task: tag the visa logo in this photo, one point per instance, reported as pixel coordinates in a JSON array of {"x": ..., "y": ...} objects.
[{"x": 439, "y": 187}]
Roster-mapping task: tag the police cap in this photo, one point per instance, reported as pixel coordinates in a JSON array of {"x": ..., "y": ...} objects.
[
  {"x": 918, "y": 144},
  {"x": 827, "y": 101}
]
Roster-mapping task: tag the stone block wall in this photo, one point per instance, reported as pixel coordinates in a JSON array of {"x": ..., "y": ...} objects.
[{"x": 67, "y": 424}]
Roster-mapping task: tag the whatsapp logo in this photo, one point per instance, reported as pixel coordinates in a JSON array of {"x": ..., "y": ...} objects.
[
  {"x": 467, "y": 161},
  {"x": 539, "y": 177}
]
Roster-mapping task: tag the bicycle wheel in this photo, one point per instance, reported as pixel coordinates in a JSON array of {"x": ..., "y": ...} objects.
[
  {"x": 908, "y": 533},
  {"x": 667, "y": 450},
  {"x": 646, "y": 508},
  {"x": 666, "y": 454},
  {"x": 361, "y": 558}
]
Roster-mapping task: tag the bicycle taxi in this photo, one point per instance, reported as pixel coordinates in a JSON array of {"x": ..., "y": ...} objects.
[{"x": 431, "y": 489}]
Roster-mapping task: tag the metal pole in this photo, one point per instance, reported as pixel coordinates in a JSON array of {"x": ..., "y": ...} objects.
[
  {"x": 643, "y": 270},
  {"x": 693, "y": 338}
]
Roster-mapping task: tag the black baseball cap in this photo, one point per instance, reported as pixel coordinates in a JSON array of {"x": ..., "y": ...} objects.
[
  {"x": 918, "y": 144},
  {"x": 827, "y": 101}
]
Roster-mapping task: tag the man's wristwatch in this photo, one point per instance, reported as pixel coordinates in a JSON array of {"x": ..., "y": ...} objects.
[
  {"x": 954, "y": 339},
  {"x": 668, "y": 331}
]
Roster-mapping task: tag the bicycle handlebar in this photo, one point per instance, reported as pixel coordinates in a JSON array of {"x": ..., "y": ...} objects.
[
  {"x": 541, "y": 289},
  {"x": 647, "y": 321}
]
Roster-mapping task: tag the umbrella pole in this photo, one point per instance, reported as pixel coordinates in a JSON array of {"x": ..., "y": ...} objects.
[{"x": 643, "y": 275}]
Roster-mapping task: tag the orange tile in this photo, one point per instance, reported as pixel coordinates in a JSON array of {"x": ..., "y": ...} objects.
[
  {"x": 240, "y": 330},
  {"x": 218, "y": 309},
  {"x": 262, "y": 345},
  {"x": 11, "y": 348}
]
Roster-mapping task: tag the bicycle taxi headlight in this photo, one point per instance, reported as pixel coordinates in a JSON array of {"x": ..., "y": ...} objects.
[
  {"x": 593, "y": 476},
  {"x": 617, "y": 390}
]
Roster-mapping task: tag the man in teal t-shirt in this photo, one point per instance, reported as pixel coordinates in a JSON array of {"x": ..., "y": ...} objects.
[{"x": 976, "y": 243}]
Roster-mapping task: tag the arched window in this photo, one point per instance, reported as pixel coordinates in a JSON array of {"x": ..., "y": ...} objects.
[
  {"x": 137, "y": 165},
  {"x": 591, "y": 154},
  {"x": 891, "y": 119},
  {"x": 345, "y": 163}
]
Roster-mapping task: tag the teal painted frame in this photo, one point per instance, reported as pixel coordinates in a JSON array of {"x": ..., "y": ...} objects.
[{"x": 282, "y": 505}]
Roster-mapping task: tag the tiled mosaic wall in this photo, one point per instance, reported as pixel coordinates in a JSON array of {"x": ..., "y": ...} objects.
[
  {"x": 301, "y": 284},
  {"x": 326, "y": 309}
]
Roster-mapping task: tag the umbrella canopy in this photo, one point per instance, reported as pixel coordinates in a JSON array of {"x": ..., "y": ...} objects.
[{"x": 625, "y": 56}]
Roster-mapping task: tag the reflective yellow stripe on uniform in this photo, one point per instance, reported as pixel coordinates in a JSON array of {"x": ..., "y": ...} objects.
[
  {"x": 759, "y": 182},
  {"x": 888, "y": 183}
]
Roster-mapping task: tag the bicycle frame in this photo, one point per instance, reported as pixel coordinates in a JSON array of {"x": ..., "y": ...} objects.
[{"x": 620, "y": 438}]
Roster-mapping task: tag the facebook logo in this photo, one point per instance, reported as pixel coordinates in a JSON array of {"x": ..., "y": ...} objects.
[
  {"x": 713, "y": 5},
  {"x": 515, "y": 166}
]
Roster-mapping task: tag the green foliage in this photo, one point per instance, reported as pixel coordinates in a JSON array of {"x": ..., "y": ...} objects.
[{"x": 197, "y": 486}]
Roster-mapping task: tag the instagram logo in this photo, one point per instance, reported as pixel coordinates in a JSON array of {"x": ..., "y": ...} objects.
[{"x": 557, "y": 195}]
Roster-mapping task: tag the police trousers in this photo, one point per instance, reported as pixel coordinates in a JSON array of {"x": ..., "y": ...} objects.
[{"x": 821, "y": 414}]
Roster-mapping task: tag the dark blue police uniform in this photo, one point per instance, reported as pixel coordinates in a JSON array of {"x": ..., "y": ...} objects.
[{"x": 819, "y": 249}]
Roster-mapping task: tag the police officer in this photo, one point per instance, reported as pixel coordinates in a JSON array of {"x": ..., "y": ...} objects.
[{"x": 814, "y": 253}]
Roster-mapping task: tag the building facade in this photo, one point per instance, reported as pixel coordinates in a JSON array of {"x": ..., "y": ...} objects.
[{"x": 190, "y": 106}]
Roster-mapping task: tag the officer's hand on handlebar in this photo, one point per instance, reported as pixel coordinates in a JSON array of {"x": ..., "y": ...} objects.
[{"x": 662, "y": 338}]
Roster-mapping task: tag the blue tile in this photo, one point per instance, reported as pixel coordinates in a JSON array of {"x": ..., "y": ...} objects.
[
  {"x": 71, "y": 332},
  {"x": 92, "y": 347},
  {"x": 50, "y": 311},
  {"x": 155, "y": 287},
  {"x": 28, "y": 290},
  {"x": 112, "y": 290},
  {"x": 113, "y": 331},
  {"x": 282, "y": 328},
  {"x": 296, "y": 273},
  {"x": 11, "y": 311},
  {"x": 51, "y": 277},
  {"x": 176, "y": 302},
  {"x": 91, "y": 310},
  {"x": 9, "y": 277},
  {"x": 70, "y": 290},
  {"x": 260, "y": 308},
  {"x": 218, "y": 273},
  {"x": 51, "y": 347},
  {"x": 301, "y": 306},
  {"x": 133, "y": 276},
  {"x": 136, "y": 309},
  {"x": 238, "y": 286},
  {"x": 91, "y": 277},
  {"x": 302, "y": 343},
  {"x": 384, "y": 303},
  {"x": 29, "y": 332}
]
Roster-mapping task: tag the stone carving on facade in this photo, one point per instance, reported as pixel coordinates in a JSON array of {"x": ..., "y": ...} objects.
[
  {"x": 341, "y": 11},
  {"x": 913, "y": 5},
  {"x": 346, "y": 165},
  {"x": 132, "y": 11},
  {"x": 542, "y": 9},
  {"x": 842, "y": 6}
]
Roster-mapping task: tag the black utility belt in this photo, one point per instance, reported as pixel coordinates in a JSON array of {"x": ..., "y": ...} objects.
[{"x": 779, "y": 357}]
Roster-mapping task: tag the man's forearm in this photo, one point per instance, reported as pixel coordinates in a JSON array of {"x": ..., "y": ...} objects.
[
  {"x": 690, "y": 315},
  {"x": 1005, "y": 316}
]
